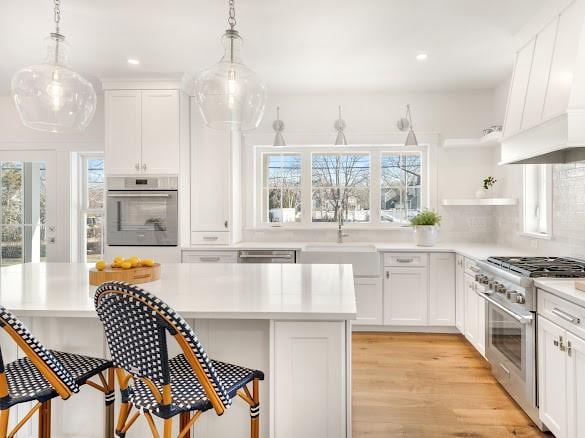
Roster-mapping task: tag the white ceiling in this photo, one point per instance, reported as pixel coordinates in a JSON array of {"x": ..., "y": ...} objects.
[{"x": 296, "y": 45}]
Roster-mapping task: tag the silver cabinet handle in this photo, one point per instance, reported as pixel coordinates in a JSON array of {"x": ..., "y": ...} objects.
[
  {"x": 403, "y": 260},
  {"x": 210, "y": 238},
  {"x": 143, "y": 166},
  {"x": 566, "y": 316},
  {"x": 387, "y": 274},
  {"x": 265, "y": 256},
  {"x": 137, "y": 166},
  {"x": 474, "y": 269},
  {"x": 523, "y": 319},
  {"x": 209, "y": 259},
  {"x": 138, "y": 195}
]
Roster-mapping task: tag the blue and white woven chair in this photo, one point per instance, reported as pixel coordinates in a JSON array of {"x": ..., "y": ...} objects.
[
  {"x": 136, "y": 324},
  {"x": 45, "y": 374}
]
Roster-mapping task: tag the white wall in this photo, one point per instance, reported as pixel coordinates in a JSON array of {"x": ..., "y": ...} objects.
[{"x": 449, "y": 114}]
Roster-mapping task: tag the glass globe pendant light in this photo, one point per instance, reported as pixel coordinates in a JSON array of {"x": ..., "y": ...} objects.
[
  {"x": 50, "y": 96},
  {"x": 230, "y": 95}
]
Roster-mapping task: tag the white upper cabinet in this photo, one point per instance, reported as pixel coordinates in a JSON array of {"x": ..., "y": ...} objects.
[
  {"x": 142, "y": 132},
  {"x": 160, "y": 131},
  {"x": 442, "y": 289},
  {"x": 537, "y": 86},
  {"x": 123, "y": 131},
  {"x": 517, "y": 98}
]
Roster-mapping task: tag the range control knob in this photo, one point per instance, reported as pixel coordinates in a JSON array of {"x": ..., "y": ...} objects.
[
  {"x": 520, "y": 299},
  {"x": 511, "y": 295},
  {"x": 491, "y": 284},
  {"x": 500, "y": 288}
]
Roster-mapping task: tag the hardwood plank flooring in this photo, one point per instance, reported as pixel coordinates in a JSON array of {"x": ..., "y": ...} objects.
[{"x": 429, "y": 385}]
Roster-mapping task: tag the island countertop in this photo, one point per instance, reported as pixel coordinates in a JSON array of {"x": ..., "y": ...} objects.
[{"x": 220, "y": 291}]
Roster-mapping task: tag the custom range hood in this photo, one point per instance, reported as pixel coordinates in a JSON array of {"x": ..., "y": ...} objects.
[{"x": 545, "y": 116}]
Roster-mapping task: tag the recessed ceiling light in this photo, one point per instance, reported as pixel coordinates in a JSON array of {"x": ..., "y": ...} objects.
[
  {"x": 132, "y": 61},
  {"x": 422, "y": 56}
]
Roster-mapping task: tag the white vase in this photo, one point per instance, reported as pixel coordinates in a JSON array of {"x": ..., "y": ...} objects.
[
  {"x": 481, "y": 193},
  {"x": 425, "y": 235}
]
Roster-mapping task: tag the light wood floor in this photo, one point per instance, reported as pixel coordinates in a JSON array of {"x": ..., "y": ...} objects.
[{"x": 429, "y": 385}]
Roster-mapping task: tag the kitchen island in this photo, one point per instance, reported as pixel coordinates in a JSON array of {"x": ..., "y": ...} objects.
[{"x": 290, "y": 321}]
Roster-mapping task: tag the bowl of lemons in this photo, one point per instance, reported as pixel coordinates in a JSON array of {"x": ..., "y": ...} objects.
[{"x": 128, "y": 269}]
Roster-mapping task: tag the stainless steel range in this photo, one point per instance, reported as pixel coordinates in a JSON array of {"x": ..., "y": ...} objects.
[{"x": 507, "y": 285}]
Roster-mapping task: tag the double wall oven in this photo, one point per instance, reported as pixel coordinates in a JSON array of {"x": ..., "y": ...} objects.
[{"x": 142, "y": 211}]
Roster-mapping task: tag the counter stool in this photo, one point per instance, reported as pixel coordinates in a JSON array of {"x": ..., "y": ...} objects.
[
  {"x": 136, "y": 323},
  {"x": 45, "y": 374}
]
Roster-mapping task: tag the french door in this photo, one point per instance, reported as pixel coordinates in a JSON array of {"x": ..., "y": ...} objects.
[{"x": 28, "y": 198}]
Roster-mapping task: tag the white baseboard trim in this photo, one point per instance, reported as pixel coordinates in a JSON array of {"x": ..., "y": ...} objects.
[{"x": 404, "y": 329}]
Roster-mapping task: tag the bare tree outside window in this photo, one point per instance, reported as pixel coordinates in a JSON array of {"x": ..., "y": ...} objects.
[
  {"x": 282, "y": 188},
  {"x": 401, "y": 180},
  {"x": 92, "y": 214},
  {"x": 341, "y": 180}
]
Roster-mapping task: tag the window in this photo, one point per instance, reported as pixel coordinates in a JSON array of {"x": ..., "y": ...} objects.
[
  {"x": 401, "y": 179},
  {"x": 282, "y": 188},
  {"x": 92, "y": 191},
  {"x": 340, "y": 181},
  {"x": 307, "y": 186},
  {"x": 537, "y": 200}
]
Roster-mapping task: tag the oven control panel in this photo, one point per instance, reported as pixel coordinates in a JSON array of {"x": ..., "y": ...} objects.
[{"x": 504, "y": 290}]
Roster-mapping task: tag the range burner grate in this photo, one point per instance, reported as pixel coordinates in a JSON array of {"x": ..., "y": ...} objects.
[{"x": 554, "y": 267}]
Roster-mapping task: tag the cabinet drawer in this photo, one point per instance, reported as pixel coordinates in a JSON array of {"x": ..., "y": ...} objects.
[
  {"x": 562, "y": 312},
  {"x": 471, "y": 267},
  {"x": 405, "y": 259},
  {"x": 210, "y": 257},
  {"x": 209, "y": 238}
]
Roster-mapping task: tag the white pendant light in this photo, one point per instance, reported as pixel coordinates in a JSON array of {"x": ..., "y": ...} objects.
[
  {"x": 50, "y": 96},
  {"x": 405, "y": 124},
  {"x": 278, "y": 126},
  {"x": 340, "y": 126},
  {"x": 231, "y": 95}
]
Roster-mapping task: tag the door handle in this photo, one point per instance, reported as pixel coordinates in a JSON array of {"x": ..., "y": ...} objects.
[
  {"x": 144, "y": 166},
  {"x": 566, "y": 316},
  {"x": 405, "y": 260},
  {"x": 388, "y": 274},
  {"x": 210, "y": 238},
  {"x": 209, "y": 259}
]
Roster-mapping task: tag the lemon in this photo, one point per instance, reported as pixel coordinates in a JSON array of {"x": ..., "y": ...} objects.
[
  {"x": 118, "y": 259},
  {"x": 147, "y": 262},
  {"x": 100, "y": 265},
  {"x": 126, "y": 265},
  {"x": 115, "y": 265},
  {"x": 134, "y": 260}
]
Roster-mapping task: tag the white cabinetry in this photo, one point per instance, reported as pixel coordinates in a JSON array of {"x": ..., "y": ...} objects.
[
  {"x": 406, "y": 296},
  {"x": 475, "y": 309},
  {"x": 442, "y": 289},
  {"x": 561, "y": 366},
  {"x": 309, "y": 379},
  {"x": 209, "y": 257},
  {"x": 460, "y": 293},
  {"x": 368, "y": 295},
  {"x": 142, "y": 132}
]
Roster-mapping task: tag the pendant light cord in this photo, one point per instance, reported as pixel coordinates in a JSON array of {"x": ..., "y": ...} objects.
[
  {"x": 57, "y": 36},
  {"x": 232, "y": 15}
]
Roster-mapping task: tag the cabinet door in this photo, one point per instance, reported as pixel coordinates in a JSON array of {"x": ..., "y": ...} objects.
[
  {"x": 481, "y": 330},
  {"x": 471, "y": 310},
  {"x": 552, "y": 377},
  {"x": 517, "y": 97},
  {"x": 460, "y": 293},
  {"x": 123, "y": 132},
  {"x": 160, "y": 132},
  {"x": 564, "y": 59},
  {"x": 442, "y": 289},
  {"x": 406, "y": 296},
  {"x": 575, "y": 386},
  {"x": 210, "y": 167},
  {"x": 537, "y": 87},
  {"x": 309, "y": 379},
  {"x": 368, "y": 295}
]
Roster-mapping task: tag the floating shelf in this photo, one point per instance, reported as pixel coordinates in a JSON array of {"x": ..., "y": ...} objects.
[
  {"x": 480, "y": 201},
  {"x": 487, "y": 141}
]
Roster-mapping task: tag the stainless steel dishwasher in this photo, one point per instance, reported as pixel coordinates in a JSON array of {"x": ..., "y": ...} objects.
[{"x": 266, "y": 256}]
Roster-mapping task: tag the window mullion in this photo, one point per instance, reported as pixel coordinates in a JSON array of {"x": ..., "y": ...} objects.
[
  {"x": 375, "y": 187},
  {"x": 306, "y": 186}
]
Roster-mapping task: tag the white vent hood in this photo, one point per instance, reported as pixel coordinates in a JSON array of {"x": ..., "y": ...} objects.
[{"x": 545, "y": 116}]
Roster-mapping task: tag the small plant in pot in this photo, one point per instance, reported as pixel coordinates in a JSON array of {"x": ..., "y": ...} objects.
[
  {"x": 426, "y": 227},
  {"x": 487, "y": 185}
]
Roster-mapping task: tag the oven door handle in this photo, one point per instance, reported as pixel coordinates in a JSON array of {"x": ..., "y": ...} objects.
[
  {"x": 136, "y": 195},
  {"x": 523, "y": 319}
]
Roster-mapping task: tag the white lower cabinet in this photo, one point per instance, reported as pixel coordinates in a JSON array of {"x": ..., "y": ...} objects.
[
  {"x": 475, "y": 309},
  {"x": 561, "y": 379},
  {"x": 309, "y": 379},
  {"x": 368, "y": 295},
  {"x": 442, "y": 289},
  {"x": 406, "y": 296},
  {"x": 460, "y": 293}
]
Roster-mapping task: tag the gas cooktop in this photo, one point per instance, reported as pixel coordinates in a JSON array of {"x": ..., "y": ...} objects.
[{"x": 559, "y": 267}]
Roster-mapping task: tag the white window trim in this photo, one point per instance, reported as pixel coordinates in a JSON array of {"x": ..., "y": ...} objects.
[
  {"x": 255, "y": 216},
  {"x": 549, "y": 200},
  {"x": 82, "y": 203}
]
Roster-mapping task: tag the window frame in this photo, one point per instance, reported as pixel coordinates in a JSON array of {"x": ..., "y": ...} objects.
[
  {"x": 83, "y": 203},
  {"x": 306, "y": 151},
  {"x": 549, "y": 205}
]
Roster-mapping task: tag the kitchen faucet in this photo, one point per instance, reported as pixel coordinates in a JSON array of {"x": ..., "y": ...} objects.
[{"x": 340, "y": 234}]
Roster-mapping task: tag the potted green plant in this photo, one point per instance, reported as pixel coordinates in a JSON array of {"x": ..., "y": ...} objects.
[
  {"x": 487, "y": 185},
  {"x": 426, "y": 227}
]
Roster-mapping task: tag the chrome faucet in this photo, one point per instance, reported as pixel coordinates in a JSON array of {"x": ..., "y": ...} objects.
[{"x": 340, "y": 234}]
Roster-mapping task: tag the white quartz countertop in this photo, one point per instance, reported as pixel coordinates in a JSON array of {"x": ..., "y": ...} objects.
[
  {"x": 226, "y": 291},
  {"x": 562, "y": 288},
  {"x": 478, "y": 251}
]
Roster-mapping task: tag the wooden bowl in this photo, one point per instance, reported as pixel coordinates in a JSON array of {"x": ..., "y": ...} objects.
[{"x": 138, "y": 275}]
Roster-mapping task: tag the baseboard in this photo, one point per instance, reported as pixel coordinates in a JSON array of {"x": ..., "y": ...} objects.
[{"x": 404, "y": 329}]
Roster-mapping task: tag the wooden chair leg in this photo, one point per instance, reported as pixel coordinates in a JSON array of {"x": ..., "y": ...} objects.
[
  {"x": 255, "y": 411},
  {"x": 109, "y": 399},
  {"x": 45, "y": 420},
  {"x": 4, "y": 414},
  {"x": 184, "y": 421},
  {"x": 168, "y": 428}
]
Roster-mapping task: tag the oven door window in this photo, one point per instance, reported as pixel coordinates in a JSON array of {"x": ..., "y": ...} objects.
[
  {"x": 141, "y": 212},
  {"x": 508, "y": 337}
]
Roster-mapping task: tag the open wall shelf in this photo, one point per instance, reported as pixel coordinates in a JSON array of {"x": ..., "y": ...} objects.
[
  {"x": 487, "y": 141},
  {"x": 479, "y": 201}
]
